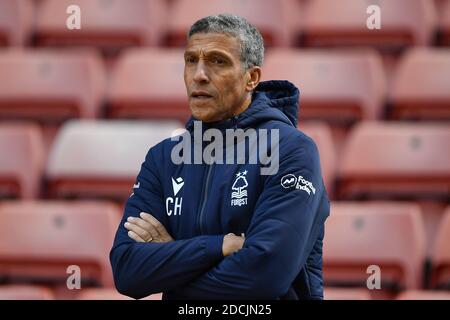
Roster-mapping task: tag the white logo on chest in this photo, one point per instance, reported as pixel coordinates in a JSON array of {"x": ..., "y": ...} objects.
[{"x": 239, "y": 190}]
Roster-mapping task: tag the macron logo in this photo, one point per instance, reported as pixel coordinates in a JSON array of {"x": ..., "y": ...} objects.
[{"x": 177, "y": 185}]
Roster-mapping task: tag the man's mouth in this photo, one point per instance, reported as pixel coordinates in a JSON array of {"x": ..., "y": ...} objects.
[{"x": 200, "y": 95}]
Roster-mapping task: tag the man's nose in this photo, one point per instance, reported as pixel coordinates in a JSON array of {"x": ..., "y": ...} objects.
[{"x": 201, "y": 73}]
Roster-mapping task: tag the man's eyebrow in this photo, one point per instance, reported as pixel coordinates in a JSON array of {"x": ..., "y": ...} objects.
[
  {"x": 189, "y": 52},
  {"x": 220, "y": 53},
  {"x": 209, "y": 53}
]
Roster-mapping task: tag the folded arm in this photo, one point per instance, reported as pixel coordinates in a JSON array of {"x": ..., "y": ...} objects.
[
  {"x": 141, "y": 269},
  {"x": 281, "y": 236}
]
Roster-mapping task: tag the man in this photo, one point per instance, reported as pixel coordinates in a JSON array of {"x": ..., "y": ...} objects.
[{"x": 224, "y": 230}]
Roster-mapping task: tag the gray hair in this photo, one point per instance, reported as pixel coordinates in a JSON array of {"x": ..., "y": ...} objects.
[{"x": 251, "y": 41}]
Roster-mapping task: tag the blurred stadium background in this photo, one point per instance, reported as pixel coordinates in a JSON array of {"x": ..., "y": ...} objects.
[{"x": 80, "y": 108}]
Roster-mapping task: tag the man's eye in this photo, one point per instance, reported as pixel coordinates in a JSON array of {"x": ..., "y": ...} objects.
[
  {"x": 189, "y": 60},
  {"x": 218, "y": 61}
]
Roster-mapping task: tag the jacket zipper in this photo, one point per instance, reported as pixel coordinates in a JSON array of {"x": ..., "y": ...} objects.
[
  {"x": 206, "y": 188},
  {"x": 203, "y": 200}
]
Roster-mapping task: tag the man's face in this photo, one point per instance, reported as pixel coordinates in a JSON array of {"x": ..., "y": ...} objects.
[{"x": 216, "y": 84}]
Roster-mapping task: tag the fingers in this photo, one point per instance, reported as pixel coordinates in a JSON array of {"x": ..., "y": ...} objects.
[
  {"x": 155, "y": 223},
  {"x": 145, "y": 226},
  {"x": 138, "y": 230},
  {"x": 135, "y": 237}
]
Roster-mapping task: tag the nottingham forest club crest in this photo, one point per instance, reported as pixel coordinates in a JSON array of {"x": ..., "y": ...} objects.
[{"x": 239, "y": 190}]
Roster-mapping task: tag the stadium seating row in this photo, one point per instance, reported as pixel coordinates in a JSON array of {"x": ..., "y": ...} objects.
[
  {"x": 388, "y": 235},
  {"x": 40, "y": 239},
  {"x": 337, "y": 86},
  {"x": 381, "y": 160},
  {"x": 282, "y": 22}
]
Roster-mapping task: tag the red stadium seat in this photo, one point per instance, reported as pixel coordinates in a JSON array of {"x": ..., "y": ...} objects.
[
  {"x": 445, "y": 23},
  {"x": 337, "y": 86},
  {"x": 25, "y": 292},
  {"x": 15, "y": 22},
  {"x": 92, "y": 159},
  {"x": 40, "y": 240},
  {"x": 109, "y": 294},
  {"x": 50, "y": 86},
  {"x": 273, "y": 18},
  {"x": 441, "y": 255},
  {"x": 105, "y": 24},
  {"x": 322, "y": 136},
  {"x": 424, "y": 295},
  {"x": 149, "y": 84},
  {"x": 21, "y": 161},
  {"x": 346, "y": 294},
  {"x": 344, "y": 22},
  {"x": 396, "y": 160},
  {"x": 421, "y": 86},
  {"x": 387, "y": 234}
]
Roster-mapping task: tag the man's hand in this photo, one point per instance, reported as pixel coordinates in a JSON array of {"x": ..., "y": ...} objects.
[
  {"x": 146, "y": 229},
  {"x": 232, "y": 243},
  {"x": 149, "y": 229}
]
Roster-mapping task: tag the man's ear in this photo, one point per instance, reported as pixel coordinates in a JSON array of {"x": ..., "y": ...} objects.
[{"x": 254, "y": 77}]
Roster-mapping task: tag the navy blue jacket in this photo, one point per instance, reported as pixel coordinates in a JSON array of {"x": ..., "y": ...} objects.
[{"x": 282, "y": 216}]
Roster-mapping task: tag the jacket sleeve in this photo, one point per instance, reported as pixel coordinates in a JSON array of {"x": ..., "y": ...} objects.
[
  {"x": 141, "y": 269},
  {"x": 284, "y": 228}
]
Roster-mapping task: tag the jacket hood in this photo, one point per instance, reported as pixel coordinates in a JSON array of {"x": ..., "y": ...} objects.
[{"x": 272, "y": 100}]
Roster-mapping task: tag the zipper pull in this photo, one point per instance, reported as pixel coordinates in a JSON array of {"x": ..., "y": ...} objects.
[{"x": 235, "y": 121}]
